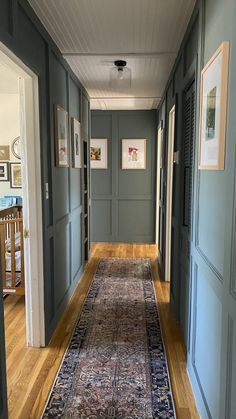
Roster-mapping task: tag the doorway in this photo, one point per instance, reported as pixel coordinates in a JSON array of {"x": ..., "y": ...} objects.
[
  {"x": 170, "y": 161},
  {"x": 186, "y": 181},
  {"x": 20, "y": 191}
]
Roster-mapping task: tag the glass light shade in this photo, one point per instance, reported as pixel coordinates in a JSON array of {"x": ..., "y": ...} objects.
[{"x": 120, "y": 78}]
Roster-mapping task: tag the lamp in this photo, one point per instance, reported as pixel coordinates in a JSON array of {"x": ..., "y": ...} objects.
[{"x": 120, "y": 75}]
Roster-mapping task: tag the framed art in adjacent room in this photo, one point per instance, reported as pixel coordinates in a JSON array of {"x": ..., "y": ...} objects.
[
  {"x": 133, "y": 155},
  {"x": 15, "y": 175},
  {"x": 4, "y": 152},
  {"x": 76, "y": 143},
  {"x": 98, "y": 153},
  {"x": 4, "y": 171},
  {"x": 213, "y": 110},
  {"x": 61, "y": 137}
]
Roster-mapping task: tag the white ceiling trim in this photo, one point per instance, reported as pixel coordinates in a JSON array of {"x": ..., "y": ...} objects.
[
  {"x": 124, "y": 54},
  {"x": 123, "y": 103}
]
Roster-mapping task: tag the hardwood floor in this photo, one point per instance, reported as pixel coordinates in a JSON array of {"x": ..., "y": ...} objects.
[{"x": 31, "y": 372}]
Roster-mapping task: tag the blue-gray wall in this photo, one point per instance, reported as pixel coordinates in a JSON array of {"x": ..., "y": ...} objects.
[
  {"x": 123, "y": 201},
  {"x": 212, "y": 351},
  {"x": 210, "y": 320},
  {"x": 63, "y": 229}
]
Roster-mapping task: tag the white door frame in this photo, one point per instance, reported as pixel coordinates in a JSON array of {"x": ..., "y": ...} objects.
[
  {"x": 32, "y": 197},
  {"x": 170, "y": 162},
  {"x": 158, "y": 179}
]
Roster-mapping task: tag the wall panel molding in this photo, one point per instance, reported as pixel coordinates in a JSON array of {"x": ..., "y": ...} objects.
[
  {"x": 233, "y": 252},
  {"x": 203, "y": 352},
  {"x": 62, "y": 279},
  {"x": 79, "y": 209},
  {"x": 76, "y": 262},
  {"x": 194, "y": 327},
  {"x": 127, "y": 186},
  {"x": 229, "y": 360},
  {"x": 194, "y": 311},
  {"x": 65, "y": 219},
  {"x": 211, "y": 266},
  {"x": 123, "y": 197},
  {"x": 102, "y": 210},
  {"x": 49, "y": 297}
]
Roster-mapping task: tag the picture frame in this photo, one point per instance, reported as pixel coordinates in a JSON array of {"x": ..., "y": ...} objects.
[
  {"x": 15, "y": 176},
  {"x": 98, "y": 153},
  {"x": 213, "y": 110},
  {"x": 61, "y": 137},
  {"x": 4, "y": 171},
  {"x": 133, "y": 154},
  {"x": 76, "y": 143},
  {"x": 4, "y": 152}
]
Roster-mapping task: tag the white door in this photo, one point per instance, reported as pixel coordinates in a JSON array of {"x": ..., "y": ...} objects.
[{"x": 170, "y": 162}]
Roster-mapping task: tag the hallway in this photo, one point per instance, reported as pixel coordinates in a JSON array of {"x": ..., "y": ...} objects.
[
  {"x": 31, "y": 391},
  {"x": 117, "y": 127}
]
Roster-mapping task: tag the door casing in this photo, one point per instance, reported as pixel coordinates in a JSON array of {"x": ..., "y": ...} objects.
[{"x": 32, "y": 197}]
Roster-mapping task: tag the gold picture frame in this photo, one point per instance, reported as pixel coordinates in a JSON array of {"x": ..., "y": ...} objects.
[
  {"x": 15, "y": 175},
  {"x": 213, "y": 110}
]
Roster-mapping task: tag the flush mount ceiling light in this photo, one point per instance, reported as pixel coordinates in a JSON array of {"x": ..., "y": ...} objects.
[{"x": 120, "y": 75}]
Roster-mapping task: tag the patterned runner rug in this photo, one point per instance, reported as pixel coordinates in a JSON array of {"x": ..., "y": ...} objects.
[{"x": 115, "y": 366}]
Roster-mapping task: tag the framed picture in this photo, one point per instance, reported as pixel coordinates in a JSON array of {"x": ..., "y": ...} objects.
[
  {"x": 15, "y": 175},
  {"x": 61, "y": 137},
  {"x": 98, "y": 153},
  {"x": 4, "y": 172},
  {"x": 4, "y": 152},
  {"x": 76, "y": 143},
  {"x": 213, "y": 110},
  {"x": 133, "y": 154}
]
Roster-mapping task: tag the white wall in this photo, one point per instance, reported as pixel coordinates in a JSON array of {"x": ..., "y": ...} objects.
[{"x": 9, "y": 130}]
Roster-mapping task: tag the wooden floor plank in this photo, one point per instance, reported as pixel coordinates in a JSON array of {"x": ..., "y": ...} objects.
[{"x": 31, "y": 372}]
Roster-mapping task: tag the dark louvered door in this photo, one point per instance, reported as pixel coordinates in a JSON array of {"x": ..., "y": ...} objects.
[{"x": 186, "y": 204}]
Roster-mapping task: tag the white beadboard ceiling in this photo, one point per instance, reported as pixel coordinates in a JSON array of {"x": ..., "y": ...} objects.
[{"x": 91, "y": 34}]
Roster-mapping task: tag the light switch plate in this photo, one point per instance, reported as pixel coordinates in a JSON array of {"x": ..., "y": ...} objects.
[
  {"x": 46, "y": 191},
  {"x": 176, "y": 157}
]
